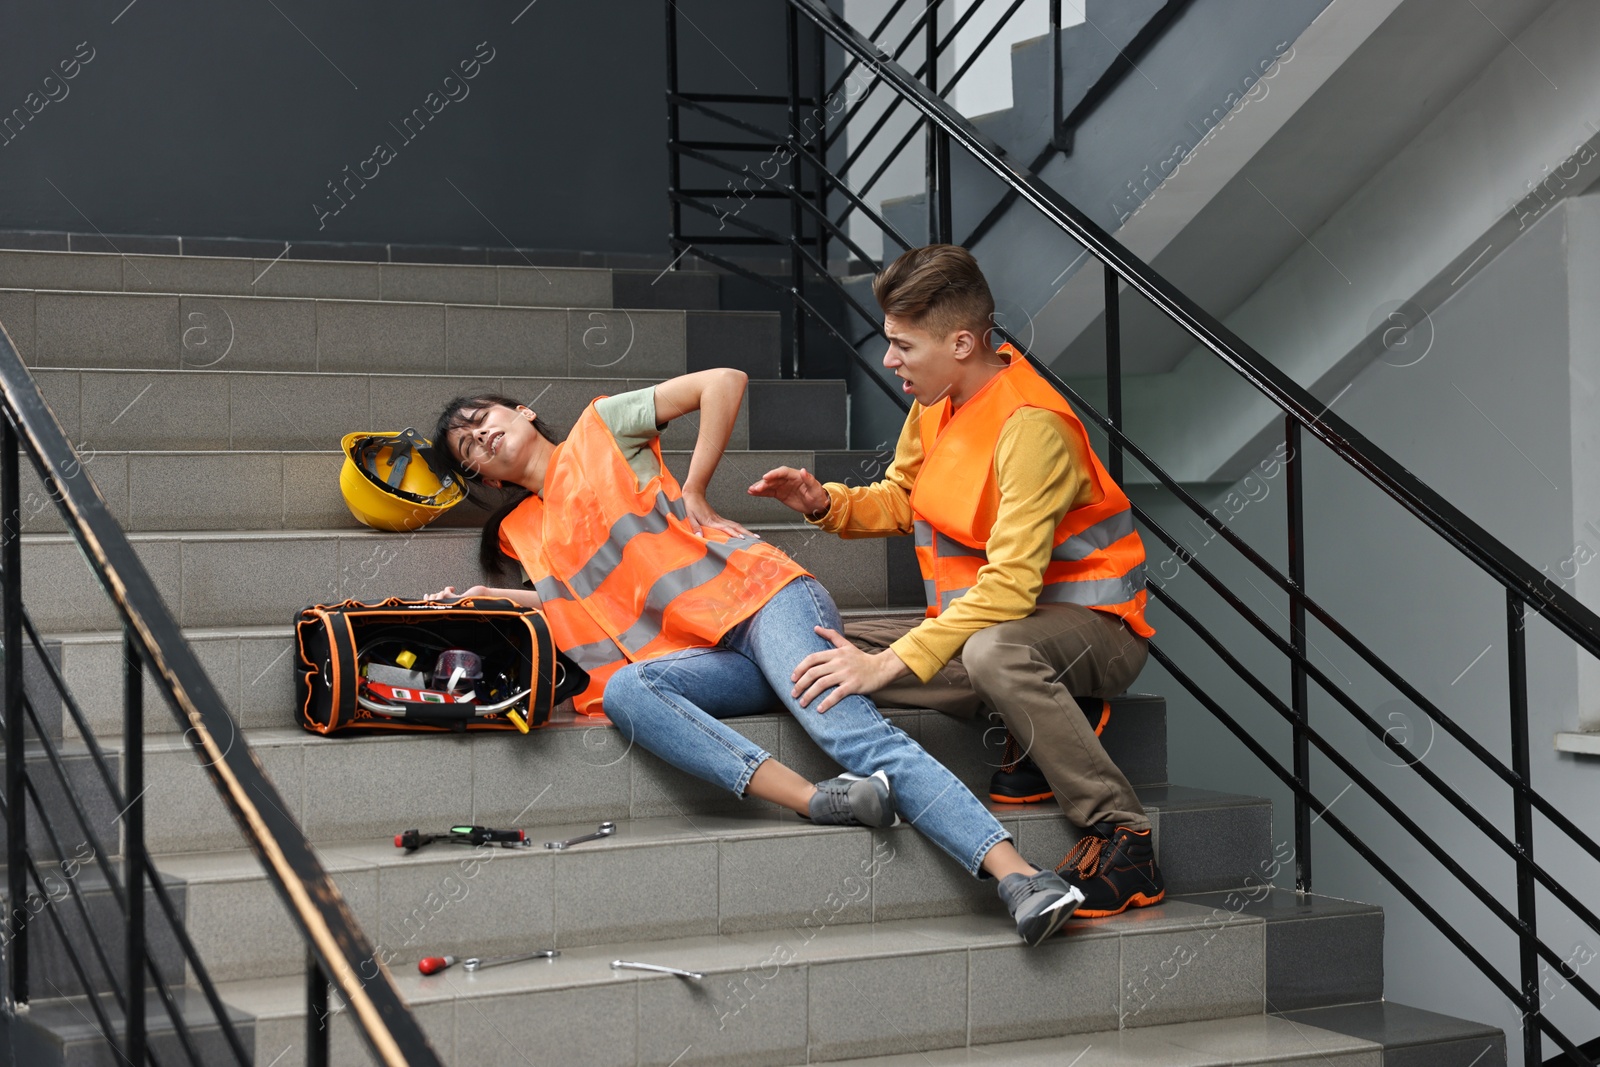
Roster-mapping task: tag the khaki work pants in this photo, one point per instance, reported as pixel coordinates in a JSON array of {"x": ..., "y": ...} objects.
[{"x": 1027, "y": 671}]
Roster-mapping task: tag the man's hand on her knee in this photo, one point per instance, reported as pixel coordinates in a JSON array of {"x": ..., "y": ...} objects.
[{"x": 845, "y": 669}]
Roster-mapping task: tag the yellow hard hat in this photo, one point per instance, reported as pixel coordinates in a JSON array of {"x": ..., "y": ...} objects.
[{"x": 384, "y": 488}]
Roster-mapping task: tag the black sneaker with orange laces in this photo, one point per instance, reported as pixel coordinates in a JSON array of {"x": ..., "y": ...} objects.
[
  {"x": 1115, "y": 867},
  {"x": 1019, "y": 780}
]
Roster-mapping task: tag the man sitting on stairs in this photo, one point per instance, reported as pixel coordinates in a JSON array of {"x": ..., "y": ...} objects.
[{"x": 1033, "y": 571}]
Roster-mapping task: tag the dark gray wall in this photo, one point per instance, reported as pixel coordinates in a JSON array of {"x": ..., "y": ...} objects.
[{"x": 229, "y": 119}]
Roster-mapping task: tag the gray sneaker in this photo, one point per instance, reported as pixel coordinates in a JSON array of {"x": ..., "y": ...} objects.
[
  {"x": 1040, "y": 903},
  {"x": 853, "y": 801}
]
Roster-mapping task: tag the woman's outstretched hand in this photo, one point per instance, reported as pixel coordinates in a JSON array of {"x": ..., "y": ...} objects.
[
  {"x": 845, "y": 668},
  {"x": 448, "y": 593},
  {"x": 797, "y": 489},
  {"x": 702, "y": 517}
]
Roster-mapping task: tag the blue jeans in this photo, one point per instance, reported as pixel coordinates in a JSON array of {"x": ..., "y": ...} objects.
[{"x": 674, "y": 705}]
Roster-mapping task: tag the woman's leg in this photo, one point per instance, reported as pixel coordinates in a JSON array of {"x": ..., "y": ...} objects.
[
  {"x": 859, "y": 739},
  {"x": 650, "y": 703},
  {"x": 674, "y": 706}
]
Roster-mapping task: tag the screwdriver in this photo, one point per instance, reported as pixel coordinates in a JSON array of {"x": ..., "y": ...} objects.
[{"x": 435, "y": 964}]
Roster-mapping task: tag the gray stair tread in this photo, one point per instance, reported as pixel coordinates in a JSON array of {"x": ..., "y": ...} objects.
[
  {"x": 751, "y": 822},
  {"x": 1207, "y": 1043},
  {"x": 69, "y": 1019},
  {"x": 589, "y": 965},
  {"x": 1282, "y": 905},
  {"x": 262, "y": 276},
  {"x": 259, "y": 298},
  {"x": 193, "y": 490},
  {"x": 1399, "y": 1026}
]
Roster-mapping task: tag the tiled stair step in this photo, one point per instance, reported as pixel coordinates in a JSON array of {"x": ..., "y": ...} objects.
[
  {"x": 277, "y": 490},
  {"x": 351, "y": 787},
  {"x": 65, "y": 1032},
  {"x": 521, "y": 286},
  {"x": 697, "y": 875},
  {"x": 829, "y": 991},
  {"x": 135, "y": 410},
  {"x": 177, "y": 331},
  {"x": 257, "y": 578},
  {"x": 252, "y": 669},
  {"x": 1361, "y": 1035}
]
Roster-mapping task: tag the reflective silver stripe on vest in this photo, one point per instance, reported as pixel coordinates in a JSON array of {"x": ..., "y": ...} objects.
[
  {"x": 1100, "y": 536},
  {"x": 922, "y": 532},
  {"x": 608, "y": 556},
  {"x": 945, "y": 547},
  {"x": 549, "y": 589},
  {"x": 673, "y": 584},
  {"x": 593, "y": 656},
  {"x": 1099, "y": 592},
  {"x": 949, "y": 596}
]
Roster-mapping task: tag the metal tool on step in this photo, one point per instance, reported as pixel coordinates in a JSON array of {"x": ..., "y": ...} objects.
[
  {"x": 411, "y": 840},
  {"x": 657, "y": 968},
  {"x": 606, "y": 830},
  {"x": 435, "y": 964}
]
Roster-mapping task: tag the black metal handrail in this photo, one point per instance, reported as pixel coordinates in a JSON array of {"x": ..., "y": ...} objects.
[
  {"x": 1523, "y": 585},
  {"x": 336, "y": 946}
]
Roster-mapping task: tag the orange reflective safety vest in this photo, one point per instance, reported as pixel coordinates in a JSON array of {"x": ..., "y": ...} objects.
[
  {"x": 1098, "y": 558},
  {"x": 621, "y": 575}
]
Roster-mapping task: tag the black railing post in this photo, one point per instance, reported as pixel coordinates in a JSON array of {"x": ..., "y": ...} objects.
[
  {"x": 937, "y": 155},
  {"x": 316, "y": 1013},
  {"x": 1528, "y": 953},
  {"x": 16, "y": 799},
  {"x": 133, "y": 858},
  {"x": 1114, "y": 368},
  {"x": 674, "y": 165},
  {"x": 941, "y": 177},
  {"x": 796, "y": 219},
  {"x": 820, "y": 73},
  {"x": 1294, "y": 486},
  {"x": 1057, "y": 118}
]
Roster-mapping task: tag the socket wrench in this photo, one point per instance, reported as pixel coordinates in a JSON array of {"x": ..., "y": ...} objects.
[{"x": 606, "y": 830}]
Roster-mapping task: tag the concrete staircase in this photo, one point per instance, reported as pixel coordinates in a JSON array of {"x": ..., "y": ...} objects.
[{"x": 208, "y": 397}]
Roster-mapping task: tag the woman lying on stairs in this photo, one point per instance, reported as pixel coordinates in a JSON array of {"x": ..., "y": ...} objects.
[{"x": 683, "y": 619}]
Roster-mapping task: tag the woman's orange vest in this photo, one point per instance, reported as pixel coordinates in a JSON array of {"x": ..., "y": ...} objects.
[
  {"x": 621, "y": 576},
  {"x": 1098, "y": 559}
]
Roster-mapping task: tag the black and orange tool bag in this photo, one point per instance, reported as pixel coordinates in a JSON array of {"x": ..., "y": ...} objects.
[{"x": 479, "y": 664}]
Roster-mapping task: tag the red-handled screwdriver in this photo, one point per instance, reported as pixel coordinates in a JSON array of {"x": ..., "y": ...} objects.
[{"x": 435, "y": 964}]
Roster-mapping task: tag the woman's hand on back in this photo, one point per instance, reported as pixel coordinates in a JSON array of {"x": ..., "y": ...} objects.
[{"x": 702, "y": 516}]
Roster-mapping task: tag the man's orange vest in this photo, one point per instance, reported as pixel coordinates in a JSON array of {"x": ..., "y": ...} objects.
[
  {"x": 1098, "y": 559},
  {"x": 621, "y": 575}
]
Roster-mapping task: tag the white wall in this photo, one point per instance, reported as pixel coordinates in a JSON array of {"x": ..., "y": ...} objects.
[
  {"x": 1507, "y": 343},
  {"x": 983, "y": 89}
]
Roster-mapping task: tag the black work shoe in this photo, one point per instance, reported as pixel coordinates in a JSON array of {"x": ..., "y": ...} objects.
[
  {"x": 853, "y": 801},
  {"x": 1115, "y": 867},
  {"x": 1019, "y": 780},
  {"x": 1040, "y": 902}
]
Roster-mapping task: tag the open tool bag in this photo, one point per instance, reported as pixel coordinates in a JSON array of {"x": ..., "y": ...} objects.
[{"x": 478, "y": 664}]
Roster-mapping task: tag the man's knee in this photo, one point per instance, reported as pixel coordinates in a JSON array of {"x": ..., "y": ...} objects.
[{"x": 988, "y": 659}]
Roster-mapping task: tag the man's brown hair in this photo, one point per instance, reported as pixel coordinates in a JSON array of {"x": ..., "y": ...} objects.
[{"x": 937, "y": 288}]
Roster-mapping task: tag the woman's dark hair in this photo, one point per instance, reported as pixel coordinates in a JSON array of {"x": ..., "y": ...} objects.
[{"x": 498, "y": 502}]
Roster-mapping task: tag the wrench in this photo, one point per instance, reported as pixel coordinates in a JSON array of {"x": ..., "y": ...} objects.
[
  {"x": 696, "y": 975},
  {"x": 606, "y": 830}
]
